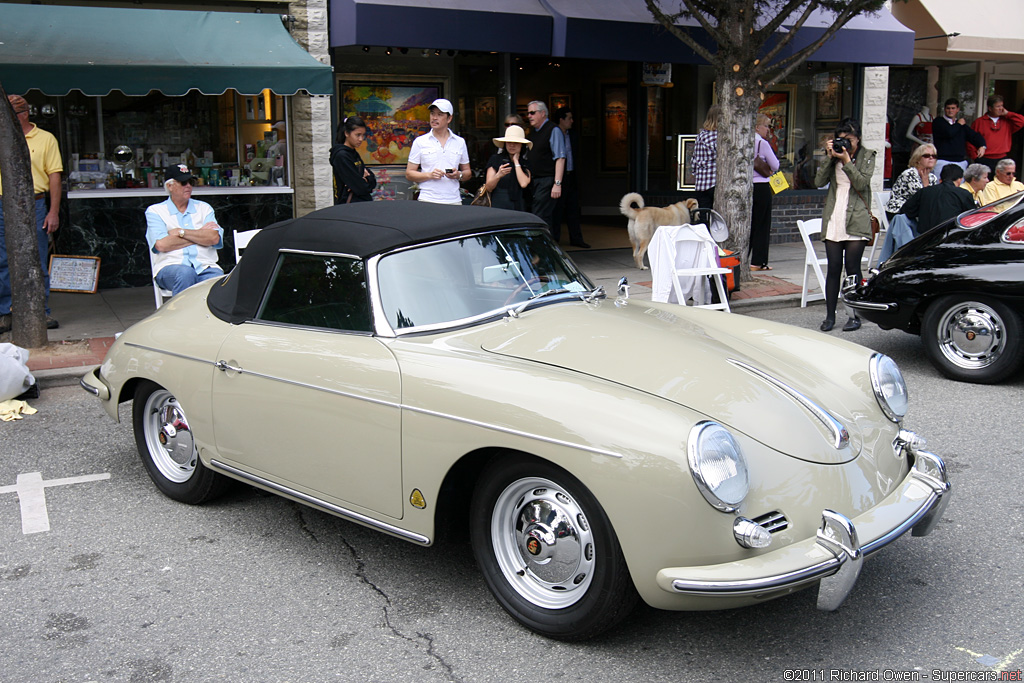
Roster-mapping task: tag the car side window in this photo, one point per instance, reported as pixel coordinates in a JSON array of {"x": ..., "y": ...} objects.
[{"x": 318, "y": 290}]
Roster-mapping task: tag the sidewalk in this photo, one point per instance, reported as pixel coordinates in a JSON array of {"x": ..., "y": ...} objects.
[{"x": 89, "y": 322}]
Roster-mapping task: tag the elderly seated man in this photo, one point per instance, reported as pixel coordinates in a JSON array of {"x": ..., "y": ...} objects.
[
  {"x": 183, "y": 235},
  {"x": 1003, "y": 185}
]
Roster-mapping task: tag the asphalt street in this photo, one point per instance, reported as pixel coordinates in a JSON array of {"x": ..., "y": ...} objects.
[{"x": 126, "y": 585}]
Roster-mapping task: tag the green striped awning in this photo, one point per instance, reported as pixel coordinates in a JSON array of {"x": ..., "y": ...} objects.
[{"x": 59, "y": 48}]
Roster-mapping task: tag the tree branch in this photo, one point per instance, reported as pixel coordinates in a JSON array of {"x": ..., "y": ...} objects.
[
  {"x": 786, "y": 66},
  {"x": 669, "y": 24},
  {"x": 787, "y": 37}
]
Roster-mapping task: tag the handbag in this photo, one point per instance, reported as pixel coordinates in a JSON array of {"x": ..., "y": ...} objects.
[
  {"x": 760, "y": 165},
  {"x": 482, "y": 198},
  {"x": 875, "y": 225}
]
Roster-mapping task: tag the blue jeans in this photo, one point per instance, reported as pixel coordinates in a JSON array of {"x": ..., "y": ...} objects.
[
  {"x": 901, "y": 230},
  {"x": 44, "y": 248},
  {"x": 178, "y": 278}
]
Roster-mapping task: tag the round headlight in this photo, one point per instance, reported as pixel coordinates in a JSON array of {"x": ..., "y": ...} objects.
[
  {"x": 717, "y": 465},
  {"x": 889, "y": 387}
]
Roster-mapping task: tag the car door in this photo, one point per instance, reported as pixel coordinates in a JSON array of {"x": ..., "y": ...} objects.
[{"x": 306, "y": 397}]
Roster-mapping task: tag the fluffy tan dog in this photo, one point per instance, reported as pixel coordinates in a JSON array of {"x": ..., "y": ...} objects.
[{"x": 643, "y": 221}]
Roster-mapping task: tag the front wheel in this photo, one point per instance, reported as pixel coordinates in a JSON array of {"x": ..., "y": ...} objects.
[
  {"x": 547, "y": 550},
  {"x": 973, "y": 339},
  {"x": 168, "y": 450}
]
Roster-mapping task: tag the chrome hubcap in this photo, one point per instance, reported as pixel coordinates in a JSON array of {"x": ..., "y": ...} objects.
[
  {"x": 971, "y": 335},
  {"x": 543, "y": 543},
  {"x": 169, "y": 438}
]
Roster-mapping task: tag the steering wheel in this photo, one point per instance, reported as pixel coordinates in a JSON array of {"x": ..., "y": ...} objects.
[{"x": 520, "y": 288}]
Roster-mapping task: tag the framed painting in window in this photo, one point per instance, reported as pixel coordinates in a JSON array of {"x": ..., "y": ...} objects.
[
  {"x": 485, "y": 112},
  {"x": 395, "y": 111},
  {"x": 779, "y": 105},
  {"x": 685, "y": 179},
  {"x": 557, "y": 100},
  {"x": 614, "y": 138}
]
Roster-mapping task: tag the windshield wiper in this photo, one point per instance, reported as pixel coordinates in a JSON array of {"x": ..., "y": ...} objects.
[{"x": 540, "y": 295}]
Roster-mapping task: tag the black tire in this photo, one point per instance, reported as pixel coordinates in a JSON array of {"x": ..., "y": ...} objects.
[
  {"x": 168, "y": 450},
  {"x": 973, "y": 338},
  {"x": 547, "y": 550}
]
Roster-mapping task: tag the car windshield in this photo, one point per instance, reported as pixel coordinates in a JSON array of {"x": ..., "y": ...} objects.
[{"x": 471, "y": 277}]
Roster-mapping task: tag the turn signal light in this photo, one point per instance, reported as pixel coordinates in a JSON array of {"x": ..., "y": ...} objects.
[{"x": 749, "y": 534}]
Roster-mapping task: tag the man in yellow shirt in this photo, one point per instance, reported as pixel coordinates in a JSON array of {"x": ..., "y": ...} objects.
[
  {"x": 46, "y": 172},
  {"x": 1004, "y": 183}
]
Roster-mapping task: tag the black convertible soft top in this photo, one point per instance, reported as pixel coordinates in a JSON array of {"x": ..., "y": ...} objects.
[{"x": 363, "y": 230}]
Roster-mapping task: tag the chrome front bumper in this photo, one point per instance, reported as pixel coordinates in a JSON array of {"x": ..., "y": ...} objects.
[
  {"x": 834, "y": 557},
  {"x": 848, "y": 295}
]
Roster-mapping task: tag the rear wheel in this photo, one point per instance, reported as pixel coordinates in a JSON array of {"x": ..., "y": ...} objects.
[
  {"x": 168, "y": 449},
  {"x": 547, "y": 550},
  {"x": 973, "y": 339}
]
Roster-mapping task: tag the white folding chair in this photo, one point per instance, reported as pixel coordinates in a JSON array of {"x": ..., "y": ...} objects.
[
  {"x": 688, "y": 254},
  {"x": 881, "y": 199},
  {"x": 811, "y": 261},
  {"x": 241, "y": 239},
  {"x": 159, "y": 293}
]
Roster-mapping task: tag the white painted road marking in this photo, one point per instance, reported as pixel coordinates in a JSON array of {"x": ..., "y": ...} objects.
[{"x": 31, "y": 493}]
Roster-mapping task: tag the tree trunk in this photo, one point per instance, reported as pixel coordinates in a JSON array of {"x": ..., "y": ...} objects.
[
  {"x": 28, "y": 306},
  {"x": 739, "y": 102}
]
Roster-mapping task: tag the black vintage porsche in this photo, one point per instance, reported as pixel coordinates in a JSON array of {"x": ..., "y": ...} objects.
[{"x": 961, "y": 287}]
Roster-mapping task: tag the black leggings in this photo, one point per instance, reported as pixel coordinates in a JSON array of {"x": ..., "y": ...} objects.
[{"x": 850, "y": 252}]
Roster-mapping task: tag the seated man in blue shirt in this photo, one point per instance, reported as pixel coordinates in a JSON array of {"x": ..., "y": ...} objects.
[{"x": 182, "y": 234}]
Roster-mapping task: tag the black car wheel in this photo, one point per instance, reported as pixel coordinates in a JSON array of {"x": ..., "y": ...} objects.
[
  {"x": 973, "y": 339},
  {"x": 168, "y": 449},
  {"x": 547, "y": 550}
]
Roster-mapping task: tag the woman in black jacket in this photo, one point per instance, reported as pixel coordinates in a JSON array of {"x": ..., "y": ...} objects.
[{"x": 352, "y": 180}]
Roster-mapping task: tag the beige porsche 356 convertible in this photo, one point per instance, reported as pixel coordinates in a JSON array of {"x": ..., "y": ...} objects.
[{"x": 422, "y": 363}]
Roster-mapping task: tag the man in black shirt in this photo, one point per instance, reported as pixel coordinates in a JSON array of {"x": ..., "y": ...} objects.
[{"x": 547, "y": 163}]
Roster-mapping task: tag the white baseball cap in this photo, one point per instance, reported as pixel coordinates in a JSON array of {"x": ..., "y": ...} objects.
[{"x": 443, "y": 105}]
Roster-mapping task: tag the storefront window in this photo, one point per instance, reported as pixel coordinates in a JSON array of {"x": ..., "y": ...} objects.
[{"x": 124, "y": 142}]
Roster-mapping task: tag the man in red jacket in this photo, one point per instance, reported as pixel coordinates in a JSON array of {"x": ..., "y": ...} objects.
[{"x": 997, "y": 126}]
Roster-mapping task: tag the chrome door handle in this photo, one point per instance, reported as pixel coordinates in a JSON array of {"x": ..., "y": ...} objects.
[{"x": 223, "y": 366}]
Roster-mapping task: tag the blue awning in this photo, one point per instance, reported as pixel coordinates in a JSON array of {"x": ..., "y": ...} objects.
[
  {"x": 519, "y": 26},
  {"x": 586, "y": 29},
  {"x": 57, "y": 49}
]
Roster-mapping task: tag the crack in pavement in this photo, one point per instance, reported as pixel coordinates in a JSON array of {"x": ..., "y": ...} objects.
[{"x": 360, "y": 572}]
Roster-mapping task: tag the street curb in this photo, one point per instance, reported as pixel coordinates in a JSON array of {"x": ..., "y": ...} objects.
[{"x": 62, "y": 377}]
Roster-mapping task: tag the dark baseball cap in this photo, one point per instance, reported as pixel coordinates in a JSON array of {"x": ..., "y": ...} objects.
[{"x": 179, "y": 172}]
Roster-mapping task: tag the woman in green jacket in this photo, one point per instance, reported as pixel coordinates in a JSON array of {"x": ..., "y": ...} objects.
[{"x": 846, "y": 222}]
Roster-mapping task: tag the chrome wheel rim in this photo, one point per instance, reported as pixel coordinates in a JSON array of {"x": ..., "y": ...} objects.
[
  {"x": 169, "y": 438},
  {"x": 971, "y": 335},
  {"x": 543, "y": 543}
]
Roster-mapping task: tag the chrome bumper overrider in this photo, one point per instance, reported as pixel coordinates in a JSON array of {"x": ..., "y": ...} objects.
[
  {"x": 835, "y": 556},
  {"x": 92, "y": 383}
]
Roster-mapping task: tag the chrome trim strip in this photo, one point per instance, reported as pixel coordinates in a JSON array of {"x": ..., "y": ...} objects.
[
  {"x": 840, "y": 436},
  {"x": 221, "y": 365},
  {"x": 170, "y": 353},
  {"x": 307, "y": 252},
  {"x": 88, "y": 387},
  {"x": 513, "y": 432},
  {"x": 322, "y": 504}
]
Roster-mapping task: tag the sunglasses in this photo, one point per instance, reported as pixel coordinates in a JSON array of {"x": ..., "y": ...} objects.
[
  {"x": 928, "y": 156},
  {"x": 532, "y": 113},
  {"x": 190, "y": 181}
]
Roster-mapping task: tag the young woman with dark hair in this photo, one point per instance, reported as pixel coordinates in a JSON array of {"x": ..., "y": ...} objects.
[
  {"x": 352, "y": 180},
  {"x": 846, "y": 222}
]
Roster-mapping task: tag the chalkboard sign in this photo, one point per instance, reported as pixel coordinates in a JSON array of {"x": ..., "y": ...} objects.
[{"x": 74, "y": 273}]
